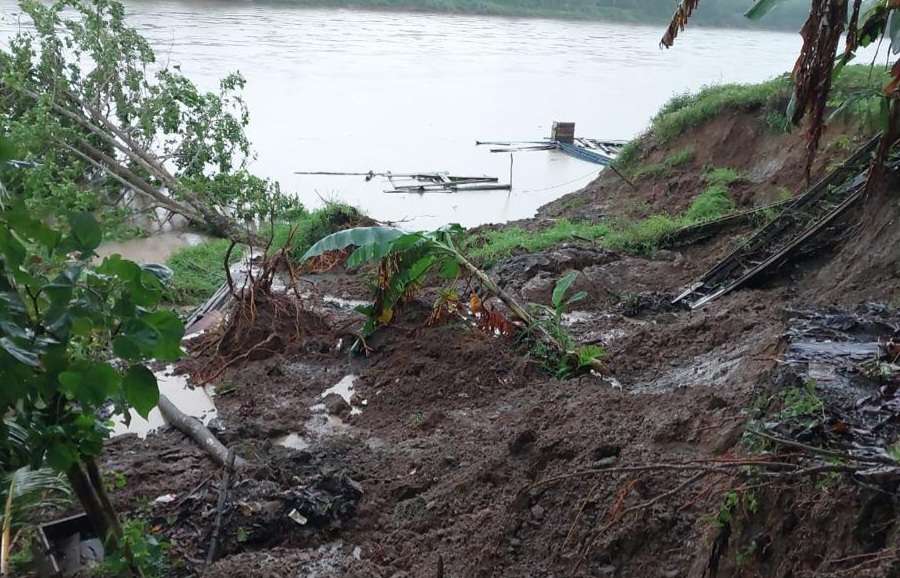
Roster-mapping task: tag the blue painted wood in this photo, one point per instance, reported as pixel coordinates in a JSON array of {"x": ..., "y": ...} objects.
[{"x": 585, "y": 154}]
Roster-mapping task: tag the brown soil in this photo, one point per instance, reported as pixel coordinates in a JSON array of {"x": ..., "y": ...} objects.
[{"x": 435, "y": 477}]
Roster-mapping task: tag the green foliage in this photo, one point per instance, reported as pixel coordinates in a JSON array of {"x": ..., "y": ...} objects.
[
  {"x": 33, "y": 491},
  {"x": 643, "y": 236},
  {"x": 559, "y": 299},
  {"x": 571, "y": 359},
  {"x": 61, "y": 322},
  {"x": 198, "y": 271},
  {"x": 404, "y": 261},
  {"x": 802, "y": 403},
  {"x": 664, "y": 168},
  {"x": 733, "y": 502},
  {"x": 710, "y": 204},
  {"x": 688, "y": 111},
  {"x": 147, "y": 551},
  {"x": 894, "y": 451},
  {"x": 487, "y": 247},
  {"x": 81, "y": 60},
  {"x": 629, "y": 155},
  {"x": 855, "y": 97},
  {"x": 646, "y": 235},
  {"x": 307, "y": 228}
]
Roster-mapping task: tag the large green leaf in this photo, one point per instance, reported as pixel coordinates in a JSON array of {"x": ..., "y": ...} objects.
[
  {"x": 21, "y": 354},
  {"x": 359, "y": 237},
  {"x": 171, "y": 330},
  {"x": 90, "y": 382},
  {"x": 141, "y": 389},
  {"x": 32, "y": 490},
  {"x": 137, "y": 340},
  {"x": 86, "y": 231},
  {"x": 376, "y": 251},
  {"x": 562, "y": 286},
  {"x": 760, "y": 8}
]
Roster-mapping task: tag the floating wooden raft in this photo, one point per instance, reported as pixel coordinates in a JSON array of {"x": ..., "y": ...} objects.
[
  {"x": 601, "y": 152},
  {"x": 443, "y": 183},
  {"x": 800, "y": 220},
  {"x": 426, "y": 182}
]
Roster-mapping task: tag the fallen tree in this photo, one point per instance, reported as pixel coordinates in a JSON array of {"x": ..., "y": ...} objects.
[{"x": 105, "y": 131}]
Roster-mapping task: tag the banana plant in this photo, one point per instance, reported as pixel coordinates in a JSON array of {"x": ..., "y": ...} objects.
[
  {"x": 406, "y": 258},
  {"x": 24, "y": 491}
]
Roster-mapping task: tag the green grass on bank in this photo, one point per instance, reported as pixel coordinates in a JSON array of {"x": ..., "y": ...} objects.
[
  {"x": 854, "y": 97},
  {"x": 199, "y": 270},
  {"x": 642, "y": 236},
  {"x": 490, "y": 246}
]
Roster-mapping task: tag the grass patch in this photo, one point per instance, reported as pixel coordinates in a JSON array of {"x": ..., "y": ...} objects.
[
  {"x": 673, "y": 161},
  {"x": 640, "y": 237},
  {"x": 854, "y": 97},
  {"x": 488, "y": 247},
  {"x": 198, "y": 271},
  {"x": 644, "y": 236}
]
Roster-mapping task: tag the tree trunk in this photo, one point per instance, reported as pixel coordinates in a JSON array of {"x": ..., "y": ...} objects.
[
  {"x": 191, "y": 427},
  {"x": 103, "y": 521}
]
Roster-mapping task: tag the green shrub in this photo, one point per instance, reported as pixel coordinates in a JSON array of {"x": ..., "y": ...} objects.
[
  {"x": 712, "y": 203},
  {"x": 674, "y": 160},
  {"x": 644, "y": 236},
  {"x": 315, "y": 225},
  {"x": 199, "y": 270}
]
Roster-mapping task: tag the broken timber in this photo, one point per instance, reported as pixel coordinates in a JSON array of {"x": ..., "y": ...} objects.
[
  {"x": 438, "y": 182},
  {"x": 801, "y": 219},
  {"x": 601, "y": 152}
]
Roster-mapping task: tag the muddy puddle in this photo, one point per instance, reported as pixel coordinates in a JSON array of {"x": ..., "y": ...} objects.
[
  {"x": 196, "y": 402},
  {"x": 849, "y": 358},
  {"x": 336, "y": 401}
]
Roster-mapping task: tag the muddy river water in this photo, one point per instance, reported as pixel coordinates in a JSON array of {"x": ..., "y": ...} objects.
[{"x": 353, "y": 90}]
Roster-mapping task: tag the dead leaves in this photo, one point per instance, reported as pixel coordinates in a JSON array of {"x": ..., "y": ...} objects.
[
  {"x": 812, "y": 71},
  {"x": 488, "y": 320},
  {"x": 679, "y": 21}
]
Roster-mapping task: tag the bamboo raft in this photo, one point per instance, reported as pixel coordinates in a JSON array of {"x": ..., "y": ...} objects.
[{"x": 435, "y": 182}]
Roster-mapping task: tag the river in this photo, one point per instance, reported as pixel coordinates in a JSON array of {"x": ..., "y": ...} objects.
[{"x": 354, "y": 90}]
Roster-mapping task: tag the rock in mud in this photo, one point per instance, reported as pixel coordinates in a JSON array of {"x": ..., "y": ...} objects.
[
  {"x": 336, "y": 405},
  {"x": 519, "y": 269}
]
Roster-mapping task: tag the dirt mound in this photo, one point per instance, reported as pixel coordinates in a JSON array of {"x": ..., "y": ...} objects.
[{"x": 770, "y": 162}]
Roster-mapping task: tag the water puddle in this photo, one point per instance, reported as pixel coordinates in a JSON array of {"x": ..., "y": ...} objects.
[
  {"x": 343, "y": 388},
  {"x": 154, "y": 249},
  {"x": 575, "y": 317},
  {"x": 345, "y": 303},
  {"x": 293, "y": 441},
  {"x": 196, "y": 402},
  {"x": 322, "y": 424}
]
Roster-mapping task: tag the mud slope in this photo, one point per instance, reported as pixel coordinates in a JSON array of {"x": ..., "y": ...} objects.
[{"x": 455, "y": 454}]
